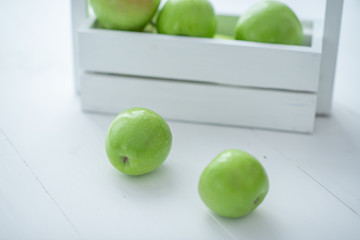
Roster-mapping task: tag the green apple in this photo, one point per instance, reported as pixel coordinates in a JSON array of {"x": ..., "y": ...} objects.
[
  {"x": 270, "y": 22},
  {"x": 233, "y": 184},
  {"x": 188, "y": 18},
  {"x": 138, "y": 141},
  {"x": 131, "y": 15}
]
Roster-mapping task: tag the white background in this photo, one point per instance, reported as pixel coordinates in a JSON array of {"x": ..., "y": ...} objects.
[{"x": 56, "y": 183}]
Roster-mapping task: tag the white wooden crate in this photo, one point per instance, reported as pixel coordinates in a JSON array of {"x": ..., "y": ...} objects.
[{"x": 195, "y": 79}]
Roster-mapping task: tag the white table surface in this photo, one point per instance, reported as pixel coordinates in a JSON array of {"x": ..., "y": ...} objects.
[{"x": 56, "y": 182}]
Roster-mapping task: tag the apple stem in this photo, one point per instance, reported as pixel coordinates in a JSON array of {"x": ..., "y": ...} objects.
[{"x": 125, "y": 159}]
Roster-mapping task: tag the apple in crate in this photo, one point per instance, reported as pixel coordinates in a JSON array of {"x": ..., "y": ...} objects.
[
  {"x": 188, "y": 18},
  {"x": 131, "y": 15},
  {"x": 233, "y": 184},
  {"x": 138, "y": 141},
  {"x": 270, "y": 22}
]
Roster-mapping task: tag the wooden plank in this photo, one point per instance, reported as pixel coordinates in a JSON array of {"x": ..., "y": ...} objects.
[
  {"x": 199, "y": 102},
  {"x": 211, "y": 60},
  {"x": 105, "y": 204},
  {"x": 27, "y": 211},
  {"x": 330, "y": 155}
]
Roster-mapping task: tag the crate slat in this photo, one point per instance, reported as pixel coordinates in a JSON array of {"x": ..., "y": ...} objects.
[
  {"x": 200, "y": 102},
  {"x": 230, "y": 62}
]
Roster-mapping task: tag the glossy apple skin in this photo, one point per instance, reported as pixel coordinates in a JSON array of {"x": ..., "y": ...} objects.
[
  {"x": 131, "y": 15},
  {"x": 138, "y": 141},
  {"x": 233, "y": 184},
  {"x": 194, "y": 18},
  {"x": 270, "y": 22}
]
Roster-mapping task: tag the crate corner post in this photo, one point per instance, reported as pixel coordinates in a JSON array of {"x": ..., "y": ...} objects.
[
  {"x": 79, "y": 13},
  {"x": 332, "y": 24}
]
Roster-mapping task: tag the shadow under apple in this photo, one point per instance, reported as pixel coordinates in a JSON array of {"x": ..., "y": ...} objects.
[
  {"x": 154, "y": 185},
  {"x": 257, "y": 225}
]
